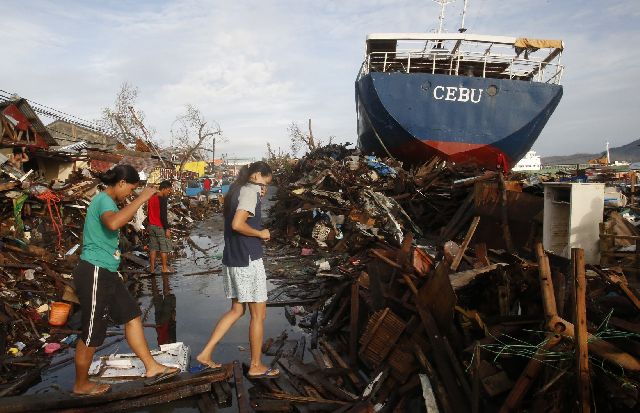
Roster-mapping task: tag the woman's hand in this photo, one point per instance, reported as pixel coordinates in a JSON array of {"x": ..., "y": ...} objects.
[
  {"x": 116, "y": 220},
  {"x": 147, "y": 193},
  {"x": 265, "y": 235}
]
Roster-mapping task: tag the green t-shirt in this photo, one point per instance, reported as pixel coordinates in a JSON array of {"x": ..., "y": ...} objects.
[{"x": 100, "y": 244}]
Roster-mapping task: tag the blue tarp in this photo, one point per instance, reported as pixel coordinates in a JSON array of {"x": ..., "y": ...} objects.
[{"x": 380, "y": 167}]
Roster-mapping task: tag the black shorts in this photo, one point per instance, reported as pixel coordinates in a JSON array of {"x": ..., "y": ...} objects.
[{"x": 102, "y": 294}]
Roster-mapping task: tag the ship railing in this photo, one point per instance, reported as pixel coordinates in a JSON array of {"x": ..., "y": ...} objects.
[{"x": 465, "y": 63}]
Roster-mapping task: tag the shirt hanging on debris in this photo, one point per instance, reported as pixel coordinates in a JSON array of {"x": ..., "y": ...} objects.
[{"x": 100, "y": 244}]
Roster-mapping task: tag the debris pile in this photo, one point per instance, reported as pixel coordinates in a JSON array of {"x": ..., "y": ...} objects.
[
  {"x": 40, "y": 237},
  {"x": 345, "y": 201},
  {"x": 472, "y": 315}
]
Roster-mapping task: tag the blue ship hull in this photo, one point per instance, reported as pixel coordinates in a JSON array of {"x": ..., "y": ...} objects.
[{"x": 467, "y": 120}]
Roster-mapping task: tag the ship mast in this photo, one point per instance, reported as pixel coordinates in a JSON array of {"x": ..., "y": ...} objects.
[
  {"x": 462, "y": 29},
  {"x": 442, "y": 3}
]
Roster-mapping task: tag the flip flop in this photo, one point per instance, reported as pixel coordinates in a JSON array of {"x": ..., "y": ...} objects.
[
  {"x": 93, "y": 391},
  {"x": 164, "y": 376},
  {"x": 270, "y": 373},
  {"x": 200, "y": 368}
]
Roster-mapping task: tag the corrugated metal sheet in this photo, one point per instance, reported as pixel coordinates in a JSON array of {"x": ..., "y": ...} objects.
[{"x": 34, "y": 120}]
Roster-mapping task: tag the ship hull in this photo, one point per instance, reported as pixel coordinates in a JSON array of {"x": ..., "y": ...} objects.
[{"x": 467, "y": 120}]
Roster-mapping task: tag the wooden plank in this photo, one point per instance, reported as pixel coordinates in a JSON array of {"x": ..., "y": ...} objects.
[
  {"x": 305, "y": 399},
  {"x": 242, "y": 396},
  {"x": 427, "y": 393},
  {"x": 206, "y": 403},
  {"x": 443, "y": 398},
  {"x": 353, "y": 327},
  {"x": 222, "y": 391},
  {"x": 463, "y": 278},
  {"x": 34, "y": 403},
  {"x": 618, "y": 281},
  {"x": 597, "y": 346},
  {"x": 482, "y": 260},
  {"x": 457, "y": 398},
  {"x": 385, "y": 259},
  {"x": 438, "y": 296},
  {"x": 302, "y": 344},
  {"x": 465, "y": 243},
  {"x": 352, "y": 376},
  {"x": 262, "y": 404},
  {"x": 475, "y": 389},
  {"x": 135, "y": 259},
  {"x": 614, "y": 236},
  {"x": 151, "y": 399},
  {"x": 546, "y": 283},
  {"x": 504, "y": 216},
  {"x": 582, "y": 349},
  {"x": 318, "y": 381},
  {"x": 529, "y": 375}
]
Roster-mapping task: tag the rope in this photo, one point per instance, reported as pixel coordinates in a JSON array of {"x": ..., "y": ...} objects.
[{"x": 52, "y": 198}]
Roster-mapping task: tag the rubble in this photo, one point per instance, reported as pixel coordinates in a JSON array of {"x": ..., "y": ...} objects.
[
  {"x": 40, "y": 237},
  {"x": 429, "y": 289}
]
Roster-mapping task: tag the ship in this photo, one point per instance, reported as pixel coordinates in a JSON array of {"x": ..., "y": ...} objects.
[{"x": 470, "y": 99}]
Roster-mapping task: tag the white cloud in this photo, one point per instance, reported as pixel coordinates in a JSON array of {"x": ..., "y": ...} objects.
[{"x": 254, "y": 66}]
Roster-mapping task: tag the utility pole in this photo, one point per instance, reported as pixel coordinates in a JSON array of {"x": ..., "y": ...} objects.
[{"x": 213, "y": 154}]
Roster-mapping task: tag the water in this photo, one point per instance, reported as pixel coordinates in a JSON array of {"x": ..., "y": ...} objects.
[{"x": 200, "y": 301}]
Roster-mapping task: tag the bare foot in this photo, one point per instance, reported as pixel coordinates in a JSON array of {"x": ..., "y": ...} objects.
[
  {"x": 207, "y": 361},
  {"x": 91, "y": 388},
  {"x": 159, "y": 369}
]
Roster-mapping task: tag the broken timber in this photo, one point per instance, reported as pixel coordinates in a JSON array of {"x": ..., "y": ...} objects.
[{"x": 123, "y": 397}]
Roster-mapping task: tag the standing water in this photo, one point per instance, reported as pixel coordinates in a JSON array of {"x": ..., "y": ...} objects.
[{"x": 199, "y": 302}]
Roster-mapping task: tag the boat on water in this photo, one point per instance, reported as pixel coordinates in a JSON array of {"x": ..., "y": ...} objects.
[{"x": 467, "y": 98}]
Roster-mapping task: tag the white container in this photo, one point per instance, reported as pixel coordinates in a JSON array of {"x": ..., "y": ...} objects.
[{"x": 572, "y": 217}]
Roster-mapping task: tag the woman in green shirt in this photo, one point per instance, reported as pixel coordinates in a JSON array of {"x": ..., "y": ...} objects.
[{"x": 99, "y": 286}]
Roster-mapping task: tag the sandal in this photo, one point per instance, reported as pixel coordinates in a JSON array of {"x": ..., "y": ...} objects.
[
  {"x": 270, "y": 373},
  {"x": 159, "y": 378},
  {"x": 202, "y": 367}
]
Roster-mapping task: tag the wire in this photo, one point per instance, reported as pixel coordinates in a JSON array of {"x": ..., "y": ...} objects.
[
  {"x": 60, "y": 115},
  {"x": 58, "y": 112}
]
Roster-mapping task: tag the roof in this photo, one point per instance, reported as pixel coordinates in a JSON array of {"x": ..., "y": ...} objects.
[
  {"x": 142, "y": 164},
  {"x": 65, "y": 132},
  {"x": 31, "y": 116},
  {"x": 373, "y": 37},
  {"x": 387, "y": 41}
]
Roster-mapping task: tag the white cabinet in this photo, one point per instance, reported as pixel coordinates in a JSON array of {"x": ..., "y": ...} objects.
[{"x": 572, "y": 217}]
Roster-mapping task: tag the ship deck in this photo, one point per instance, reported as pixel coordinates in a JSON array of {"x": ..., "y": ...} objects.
[{"x": 459, "y": 54}]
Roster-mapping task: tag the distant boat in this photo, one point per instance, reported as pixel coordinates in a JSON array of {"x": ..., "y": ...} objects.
[
  {"x": 467, "y": 98},
  {"x": 530, "y": 162}
]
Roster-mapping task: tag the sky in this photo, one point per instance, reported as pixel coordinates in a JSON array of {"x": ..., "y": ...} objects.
[{"x": 256, "y": 66}]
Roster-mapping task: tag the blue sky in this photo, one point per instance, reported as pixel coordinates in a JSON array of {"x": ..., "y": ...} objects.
[{"x": 255, "y": 66}]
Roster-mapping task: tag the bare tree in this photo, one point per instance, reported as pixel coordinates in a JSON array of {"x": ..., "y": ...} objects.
[
  {"x": 281, "y": 163},
  {"x": 300, "y": 139},
  {"x": 190, "y": 133},
  {"x": 124, "y": 120}
]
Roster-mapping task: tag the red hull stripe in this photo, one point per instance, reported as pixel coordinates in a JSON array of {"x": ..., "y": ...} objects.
[{"x": 482, "y": 155}]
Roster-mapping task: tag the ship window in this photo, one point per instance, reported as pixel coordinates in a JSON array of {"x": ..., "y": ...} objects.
[
  {"x": 426, "y": 86},
  {"x": 492, "y": 90}
]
